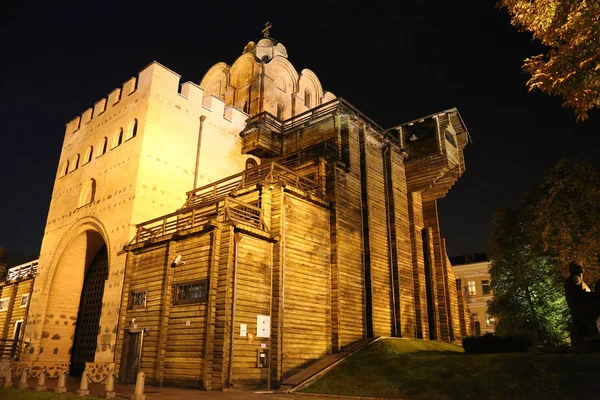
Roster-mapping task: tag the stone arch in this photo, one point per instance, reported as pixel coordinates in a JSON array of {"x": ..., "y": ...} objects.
[
  {"x": 79, "y": 226},
  {"x": 216, "y": 80},
  {"x": 243, "y": 70},
  {"x": 65, "y": 279},
  {"x": 280, "y": 67},
  {"x": 309, "y": 82}
]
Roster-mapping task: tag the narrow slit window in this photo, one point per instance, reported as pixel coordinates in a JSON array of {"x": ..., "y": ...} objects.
[
  {"x": 76, "y": 162},
  {"x": 307, "y": 98},
  {"x": 66, "y": 168},
  {"x": 103, "y": 146}
]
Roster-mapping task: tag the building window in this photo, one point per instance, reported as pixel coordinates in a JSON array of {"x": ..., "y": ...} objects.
[
  {"x": 485, "y": 287},
  {"x": 190, "y": 292},
  {"x": 251, "y": 163},
  {"x": 103, "y": 146},
  {"x": 66, "y": 168},
  {"x": 280, "y": 112},
  {"x": 133, "y": 130},
  {"x": 307, "y": 98},
  {"x": 24, "y": 301},
  {"x": 118, "y": 138},
  {"x": 4, "y": 304},
  {"x": 76, "y": 162},
  {"x": 471, "y": 290},
  {"x": 137, "y": 299},
  {"x": 88, "y": 155}
]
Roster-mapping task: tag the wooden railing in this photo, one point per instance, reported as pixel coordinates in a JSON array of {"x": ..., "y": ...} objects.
[
  {"x": 224, "y": 209},
  {"x": 9, "y": 349},
  {"x": 21, "y": 271},
  {"x": 274, "y": 124},
  {"x": 265, "y": 174}
]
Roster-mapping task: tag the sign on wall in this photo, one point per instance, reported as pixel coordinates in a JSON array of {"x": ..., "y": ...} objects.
[{"x": 263, "y": 326}]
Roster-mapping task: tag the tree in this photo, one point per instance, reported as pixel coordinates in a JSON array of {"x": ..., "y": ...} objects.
[
  {"x": 528, "y": 296},
  {"x": 563, "y": 214},
  {"x": 571, "y": 67}
]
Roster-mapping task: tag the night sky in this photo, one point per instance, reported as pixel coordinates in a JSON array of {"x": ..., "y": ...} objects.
[{"x": 394, "y": 60}]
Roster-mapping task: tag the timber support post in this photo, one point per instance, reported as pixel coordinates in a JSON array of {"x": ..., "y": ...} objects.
[
  {"x": 139, "y": 387},
  {"x": 61, "y": 386}
]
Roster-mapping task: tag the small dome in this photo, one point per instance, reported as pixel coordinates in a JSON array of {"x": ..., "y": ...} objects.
[{"x": 265, "y": 49}]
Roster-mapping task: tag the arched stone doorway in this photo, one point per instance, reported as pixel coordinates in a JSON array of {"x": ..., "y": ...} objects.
[
  {"x": 88, "y": 318},
  {"x": 76, "y": 290}
]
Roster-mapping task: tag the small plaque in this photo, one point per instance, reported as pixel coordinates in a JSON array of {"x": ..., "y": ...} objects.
[
  {"x": 263, "y": 345},
  {"x": 243, "y": 330},
  {"x": 188, "y": 323}
]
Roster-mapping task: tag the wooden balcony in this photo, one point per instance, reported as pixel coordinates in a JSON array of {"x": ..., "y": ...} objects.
[{"x": 435, "y": 147}]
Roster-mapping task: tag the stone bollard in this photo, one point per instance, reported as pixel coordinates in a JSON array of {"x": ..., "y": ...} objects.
[
  {"x": 139, "y": 387},
  {"x": 61, "y": 386},
  {"x": 23, "y": 382},
  {"x": 41, "y": 383},
  {"x": 8, "y": 378},
  {"x": 83, "y": 388},
  {"x": 109, "y": 388}
]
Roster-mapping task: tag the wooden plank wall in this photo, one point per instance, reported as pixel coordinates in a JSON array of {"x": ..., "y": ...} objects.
[
  {"x": 184, "y": 347},
  {"x": 405, "y": 270},
  {"x": 144, "y": 272},
  {"x": 309, "y": 135},
  {"x": 307, "y": 309},
  {"x": 443, "y": 310},
  {"x": 223, "y": 304},
  {"x": 415, "y": 211},
  {"x": 373, "y": 182},
  {"x": 253, "y": 297},
  {"x": 453, "y": 294},
  {"x": 348, "y": 239},
  {"x": 15, "y": 292},
  {"x": 272, "y": 202}
]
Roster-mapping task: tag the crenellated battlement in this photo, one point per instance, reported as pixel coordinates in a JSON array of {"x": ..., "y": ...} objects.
[{"x": 164, "y": 80}]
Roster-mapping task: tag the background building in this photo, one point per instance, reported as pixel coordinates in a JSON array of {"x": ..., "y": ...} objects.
[{"x": 473, "y": 272}]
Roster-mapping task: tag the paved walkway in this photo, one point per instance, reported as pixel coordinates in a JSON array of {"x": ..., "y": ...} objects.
[{"x": 171, "y": 393}]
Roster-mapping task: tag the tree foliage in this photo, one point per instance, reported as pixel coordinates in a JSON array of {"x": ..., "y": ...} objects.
[
  {"x": 571, "y": 31},
  {"x": 528, "y": 297},
  {"x": 563, "y": 215}
]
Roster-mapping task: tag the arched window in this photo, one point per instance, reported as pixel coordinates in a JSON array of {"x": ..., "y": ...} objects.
[
  {"x": 88, "y": 155},
  {"x": 66, "y": 168},
  {"x": 307, "y": 98},
  {"x": 88, "y": 193},
  {"x": 76, "y": 162},
  {"x": 132, "y": 130},
  {"x": 251, "y": 163},
  {"x": 118, "y": 138},
  {"x": 103, "y": 145},
  {"x": 280, "y": 112}
]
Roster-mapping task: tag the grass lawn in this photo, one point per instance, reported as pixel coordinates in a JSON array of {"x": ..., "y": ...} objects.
[
  {"x": 16, "y": 394},
  {"x": 414, "y": 369}
]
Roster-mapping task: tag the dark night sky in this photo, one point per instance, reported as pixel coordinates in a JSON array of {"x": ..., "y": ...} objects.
[{"x": 394, "y": 60}]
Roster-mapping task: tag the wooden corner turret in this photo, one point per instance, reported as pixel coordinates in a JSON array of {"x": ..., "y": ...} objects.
[{"x": 435, "y": 147}]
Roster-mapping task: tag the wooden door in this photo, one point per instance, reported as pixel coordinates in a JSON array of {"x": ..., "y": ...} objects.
[{"x": 131, "y": 357}]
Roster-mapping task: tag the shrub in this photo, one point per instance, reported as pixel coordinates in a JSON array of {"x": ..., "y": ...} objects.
[{"x": 490, "y": 343}]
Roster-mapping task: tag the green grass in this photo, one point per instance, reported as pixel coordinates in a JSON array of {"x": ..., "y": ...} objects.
[
  {"x": 16, "y": 394},
  {"x": 413, "y": 369}
]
